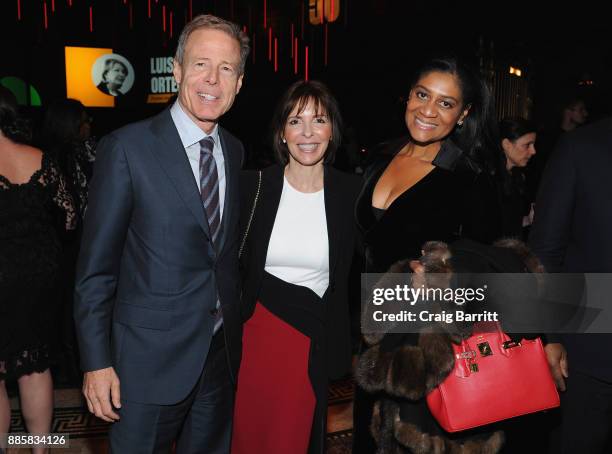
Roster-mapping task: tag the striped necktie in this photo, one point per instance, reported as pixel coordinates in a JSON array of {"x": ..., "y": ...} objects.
[
  {"x": 209, "y": 186},
  {"x": 209, "y": 191}
]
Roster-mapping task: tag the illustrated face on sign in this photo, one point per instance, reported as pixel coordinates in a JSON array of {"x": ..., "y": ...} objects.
[{"x": 115, "y": 75}]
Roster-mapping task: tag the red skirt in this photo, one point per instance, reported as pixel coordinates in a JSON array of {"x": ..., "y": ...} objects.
[{"x": 275, "y": 402}]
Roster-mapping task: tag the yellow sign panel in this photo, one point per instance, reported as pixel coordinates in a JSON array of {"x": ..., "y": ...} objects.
[{"x": 79, "y": 83}]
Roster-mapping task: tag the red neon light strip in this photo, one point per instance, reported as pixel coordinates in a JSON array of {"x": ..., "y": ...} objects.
[
  {"x": 333, "y": 10},
  {"x": 306, "y": 60},
  {"x": 275, "y": 54},
  {"x": 91, "y": 18},
  {"x": 322, "y": 14},
  {"x": 46, "y": 19},
  {"x": 70, "y": 3},
  {"x": 131, "y": 16},
  {"x": 292, "y": 35},
  {"x": 270, "y": 44},
  {"x": 265, "y": 14},
  {"x": 190, "y": 9},
  {"x": 171, "y": 20},
  {"x": 295, "y": 56},
  {"x": 52, "y": 6},
  {"x": 18, "y": 9},
  {"x": 149, "y": 8},
  {"x": 244, "y": 29},
  {"x": 164, "y": 18}
]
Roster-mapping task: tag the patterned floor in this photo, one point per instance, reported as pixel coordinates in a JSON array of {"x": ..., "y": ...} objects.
[{"x": 88, "y": 433}]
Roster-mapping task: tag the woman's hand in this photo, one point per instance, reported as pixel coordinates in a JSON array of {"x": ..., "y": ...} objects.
[{"x": 557, "y": 361}]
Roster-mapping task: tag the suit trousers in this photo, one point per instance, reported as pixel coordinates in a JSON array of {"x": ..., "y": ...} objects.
[
  {"x": 201, "y": 423},
  {"x": 586, "y": 416}
]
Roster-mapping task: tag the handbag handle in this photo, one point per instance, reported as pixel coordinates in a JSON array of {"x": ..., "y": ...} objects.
[
  {"x": 248, "y": 227},
  {"x": 465, "y": 359}
]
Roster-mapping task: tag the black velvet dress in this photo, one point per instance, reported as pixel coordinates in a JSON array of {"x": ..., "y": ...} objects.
[
  {"x": 456, "y": 199},
  {"x": 31, "y": 214}
]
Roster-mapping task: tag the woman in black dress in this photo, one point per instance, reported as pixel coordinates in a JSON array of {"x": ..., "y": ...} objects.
[
  {"x": 296, "y": 261},
  {"x": 33, "y": 206},
  {"x": 66, "y": 136},
  {"x": 436, "y": 183}
]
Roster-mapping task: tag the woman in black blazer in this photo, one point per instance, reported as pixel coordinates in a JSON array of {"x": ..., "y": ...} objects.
[
  {"x": 298, "y": 218},
  {"x": 435, "y": 184}
]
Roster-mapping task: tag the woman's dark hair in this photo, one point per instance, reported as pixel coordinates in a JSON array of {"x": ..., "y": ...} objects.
[
  {"x": 62, "y": 123},
  {"x": 478, "y": 135},
  {"x": 513, "y": 128},
  {"x": 61, "y": 139},
  {"x": 300, "y": 94},
  {"x": 12, "y": 125}
]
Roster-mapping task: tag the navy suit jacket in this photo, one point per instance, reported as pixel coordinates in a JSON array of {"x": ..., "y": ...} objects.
[{"x": 148, "y": 275}]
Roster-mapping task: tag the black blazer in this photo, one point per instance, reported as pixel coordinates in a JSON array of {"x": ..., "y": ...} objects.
[
  {"x": 572, "y": 225},
  {"x": 458, "y": 199},
  {"x": 340, "y": 193},
  {"x": 148, "y": 275}
]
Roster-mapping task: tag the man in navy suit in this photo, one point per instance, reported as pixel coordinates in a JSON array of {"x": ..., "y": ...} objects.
[{"x": 157, "y": 289}]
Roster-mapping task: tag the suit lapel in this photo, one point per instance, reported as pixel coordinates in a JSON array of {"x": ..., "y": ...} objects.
[
  {"x": 173, "y": 159},
  {"x": 333, "y": 210},
  {"x": 271, "y": 190},
  {"x": 230, "y": 175},
  {"x": 363, "y": 207}
]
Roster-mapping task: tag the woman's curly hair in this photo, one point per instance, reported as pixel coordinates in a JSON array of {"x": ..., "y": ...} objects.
[{"x": 12, "y": 125}]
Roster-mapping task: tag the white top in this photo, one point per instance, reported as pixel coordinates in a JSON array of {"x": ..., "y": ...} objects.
[
  {"x": 298, "y": 252},
  {"x": 190, "y": 135}
]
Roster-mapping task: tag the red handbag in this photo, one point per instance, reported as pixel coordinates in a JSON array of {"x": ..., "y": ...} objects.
[{"x": 493, "y": 379}]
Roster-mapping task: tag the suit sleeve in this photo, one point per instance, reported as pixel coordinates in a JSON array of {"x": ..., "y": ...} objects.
[
  {"x": 105, "y": 230},
  {"x": 554, "y": 208}
]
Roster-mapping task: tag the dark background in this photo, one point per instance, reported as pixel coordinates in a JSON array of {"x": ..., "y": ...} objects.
[{"x": 373, "y": 48}]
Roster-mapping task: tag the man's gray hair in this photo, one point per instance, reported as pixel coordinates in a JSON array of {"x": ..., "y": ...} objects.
[{"x": 215, "y": 23}]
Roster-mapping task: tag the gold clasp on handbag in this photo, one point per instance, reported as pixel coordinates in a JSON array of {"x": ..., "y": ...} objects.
[
  {"x": 466, "y": 355},
  {"x": 510, "y": 344},
  {"x": 474, "y": 367},
  {"x": 485, "y": 349}
]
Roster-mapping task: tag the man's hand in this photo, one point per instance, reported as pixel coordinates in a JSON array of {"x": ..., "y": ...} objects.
[
  {"x": 97, "y": 386},
  {"x": 557, "y": 361}
]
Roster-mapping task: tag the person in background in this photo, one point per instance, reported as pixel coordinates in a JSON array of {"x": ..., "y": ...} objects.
[
  {"x": 574, "y": 113},
  {"x": 32, "y": 199},
  {"x": 435, "y": 183},
  {"x": 571, "y": 234},
  {"x": 296, "y": 263},
  {"x": 518, "y": 138},
  {"x": 571, "y": 113},
  {"x": 66, "y": 135},
  {"x": 66, "y": 132}
]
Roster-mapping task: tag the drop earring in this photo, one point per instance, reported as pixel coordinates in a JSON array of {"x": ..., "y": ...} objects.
[{"x": 284, "y": 140}]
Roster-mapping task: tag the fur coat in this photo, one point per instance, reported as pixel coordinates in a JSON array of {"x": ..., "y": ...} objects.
[{"x": 409, "y": 371}]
